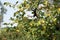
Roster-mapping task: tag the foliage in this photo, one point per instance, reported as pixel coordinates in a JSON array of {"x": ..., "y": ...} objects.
[{"x": 45, "y": 27}]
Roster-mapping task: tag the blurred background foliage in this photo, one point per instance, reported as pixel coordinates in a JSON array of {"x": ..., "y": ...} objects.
[{"x": 46, "y": 25}]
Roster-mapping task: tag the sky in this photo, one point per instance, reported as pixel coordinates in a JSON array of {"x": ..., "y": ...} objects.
[{"x": 10, "y": 10}]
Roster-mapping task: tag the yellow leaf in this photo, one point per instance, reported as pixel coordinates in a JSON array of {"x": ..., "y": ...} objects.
[
  {"x": 54, "y": 19},
  {"x": 27, "y": 6},
  {"x": 54, "y": 38},
  {"x": 38, "y": 23},
  {"x": 44, "y": 27},
  {"x": 21, "y": 9},
  {"x": 42, "y": 21},
  {"x": 47, "y": 14},
  {"x": 58, "y": 9},
  {"x": 17, "y": 30},
  {"x": 31, "y": 24},
  {"x": 46, "y": 2}
]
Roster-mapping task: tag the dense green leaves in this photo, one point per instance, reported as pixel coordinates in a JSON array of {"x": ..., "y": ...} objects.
[{"x": 45, "y": 27}]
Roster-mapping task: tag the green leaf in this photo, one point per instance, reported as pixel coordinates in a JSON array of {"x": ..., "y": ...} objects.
[
  {"x": 5, "y": 24},
  {"x": 16, "y": 13},
  {"x": 6, "y": 3},
  {"x": 11, "y": 18}
]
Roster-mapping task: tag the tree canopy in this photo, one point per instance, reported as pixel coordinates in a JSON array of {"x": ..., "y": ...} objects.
[{"x": 44, "y": 25}]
